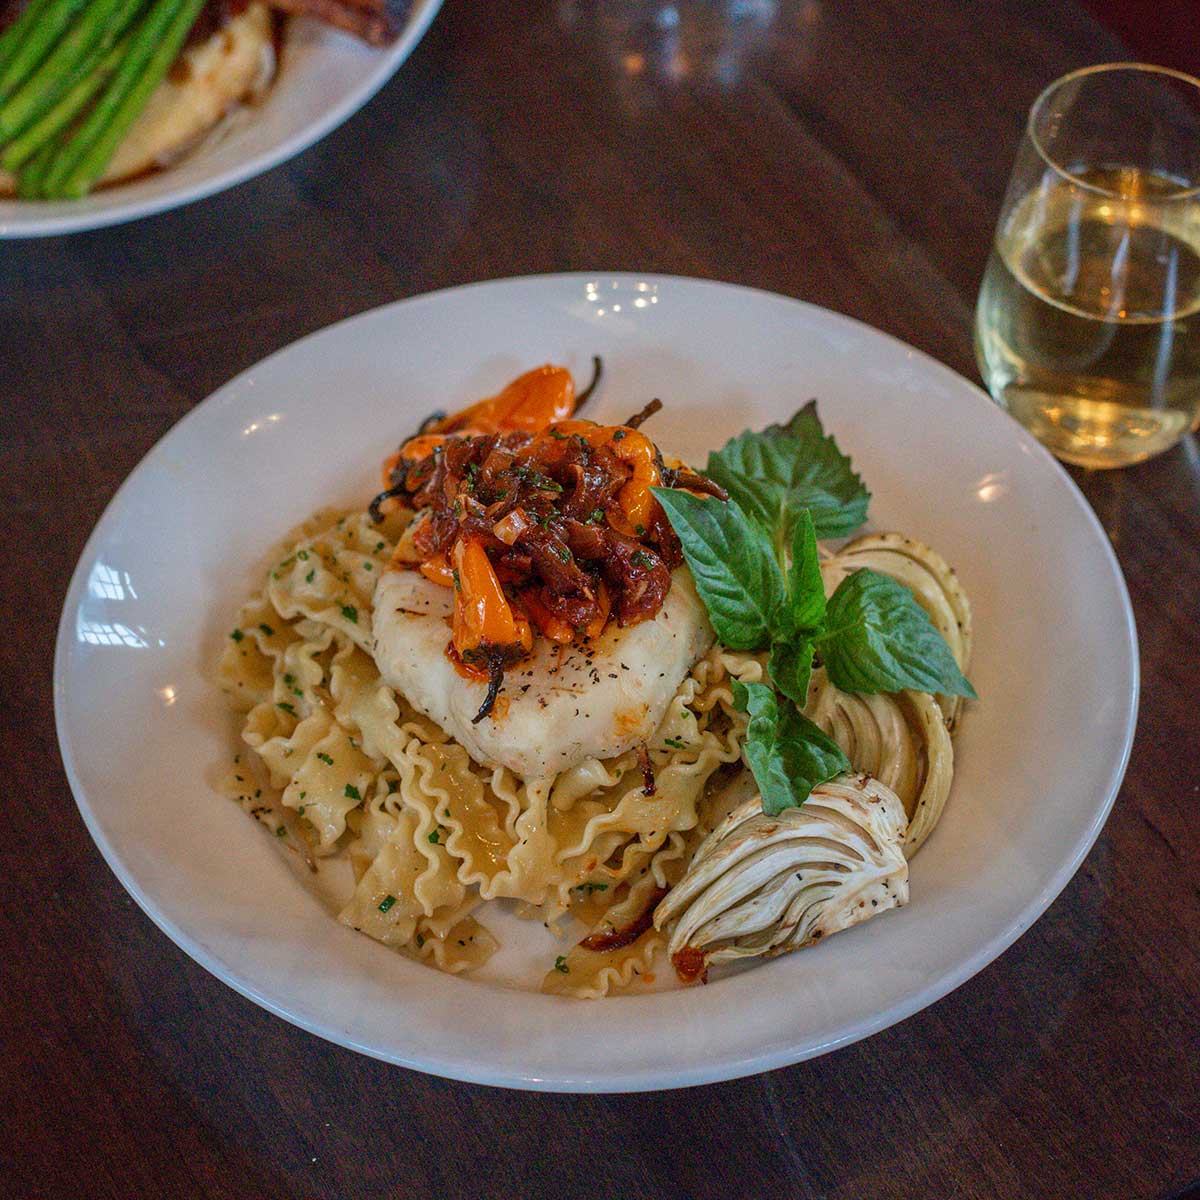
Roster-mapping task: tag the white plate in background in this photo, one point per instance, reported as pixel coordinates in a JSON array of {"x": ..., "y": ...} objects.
[
  {"x": 325, "y": 76},
  {"x": 144, "y": 731}
]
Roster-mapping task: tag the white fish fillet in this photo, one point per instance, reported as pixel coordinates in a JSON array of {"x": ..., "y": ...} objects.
[{"x": 596, "y": 701}]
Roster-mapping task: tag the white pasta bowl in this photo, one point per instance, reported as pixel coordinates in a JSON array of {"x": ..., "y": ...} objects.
[
  {"x": 325, "y": 76},
  {"x": 145, "y": 733}
]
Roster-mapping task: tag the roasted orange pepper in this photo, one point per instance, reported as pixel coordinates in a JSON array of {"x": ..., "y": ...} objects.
[
  {"x": 415, "y": 449},
  {"x": 530, "y": 403},
  {"x": 548, "y": 625},
  {"x": 555, "y": 628},
  {"x": 437, "y": 570},
  {"x": 485, "y": 624}
]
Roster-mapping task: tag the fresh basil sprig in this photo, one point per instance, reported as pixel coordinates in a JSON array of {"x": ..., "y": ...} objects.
[
  {"x": 787, "y": 753},
  {"x": 750, "y": 601},
  {"x": 757, "y": 571}
]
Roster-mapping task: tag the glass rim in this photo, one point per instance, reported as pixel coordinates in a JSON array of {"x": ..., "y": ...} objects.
[{"x": 1044, "y": 95}]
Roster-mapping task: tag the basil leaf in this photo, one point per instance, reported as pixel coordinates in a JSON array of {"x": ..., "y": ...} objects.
[
  {"x": 806, "y": 590},
  {"x": 796, "y": 463},
  {"x": 787, "y": 754},
  {"x": 760, "y": 499},
  {"x": 879, "y": 639},
  {"x": 790, "y": 666},
  {"x": 736, "y": 574}
]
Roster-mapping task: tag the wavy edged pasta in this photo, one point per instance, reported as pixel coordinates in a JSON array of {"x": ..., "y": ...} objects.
[{"x": 345, "y": 767}]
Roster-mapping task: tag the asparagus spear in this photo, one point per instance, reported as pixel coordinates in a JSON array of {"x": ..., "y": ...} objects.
[
  {"x": 76, "y": 53},
  {"x": 29, "y": 182},
  {"x": 126, "y": 95},
  {"x": 32, "y": 139},
  {"x": 43, "y": 35},
  {"x": 148, "y": 33},
  {"x": 12, "y": 37}
]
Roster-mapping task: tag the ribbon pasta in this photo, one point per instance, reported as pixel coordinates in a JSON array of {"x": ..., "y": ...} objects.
[{"x": 347, "y": 769}]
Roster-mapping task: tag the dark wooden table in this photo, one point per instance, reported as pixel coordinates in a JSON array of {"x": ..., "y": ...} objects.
[{"x": 850, "y": 152}]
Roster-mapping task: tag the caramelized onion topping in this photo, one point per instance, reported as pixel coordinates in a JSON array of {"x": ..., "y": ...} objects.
[{"x": 539, "y": 521}]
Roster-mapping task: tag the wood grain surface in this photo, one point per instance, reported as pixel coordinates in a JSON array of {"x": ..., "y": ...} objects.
[{"x": 849, "y": 152}]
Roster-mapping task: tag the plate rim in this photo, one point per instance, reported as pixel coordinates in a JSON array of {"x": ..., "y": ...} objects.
[
  {"x": 58, "y": 223},
  {"x": 462, "y": 1068}
]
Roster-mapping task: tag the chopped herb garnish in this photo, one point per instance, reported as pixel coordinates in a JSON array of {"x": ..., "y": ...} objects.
[
  {"x": 310, "y": 576},
  {"x": 350, "y": 613},
  {"x": 560, "y": 965},
  {"x": 620, "y": 433},
  {"x": 267, "y": 630},
  {"x": 289, "y": 679},
  {"x": 436, "y": 836},
  {"x": 674, "y": 742},
  {"x": 641, "y": 558},
  {"x": 325, "y": 758},
  {"x": 457, "y": 580},
  {"x": 639, "y": 530},
  {"x": 420, "y": 940},
  {"x": 237, "y": 635},
  {"x": 281, "y": 831},
  {"x": 368, "y": 566},
  {"x": 386, "y": 903},
  {"x": 287, "y": 708},
  {"x": 352, "y": 792},
  {"x": 558, "y": 435},
  {"x": 302, "y": 555},
  {"x": 597, "y": 516},
  {"x": 378, "y": 547},
  {"x": 300, "y": 810},
  {"x": 562, "y": 553}
]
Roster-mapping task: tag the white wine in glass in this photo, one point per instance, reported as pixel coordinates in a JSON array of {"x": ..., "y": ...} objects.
[{"x": 1088, "y": 323}]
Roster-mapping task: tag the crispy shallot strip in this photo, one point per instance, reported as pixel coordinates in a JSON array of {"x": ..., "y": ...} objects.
[{"x": 616, "y": 939}]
